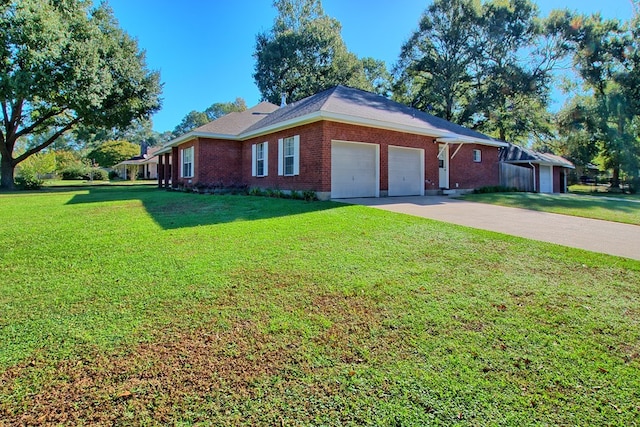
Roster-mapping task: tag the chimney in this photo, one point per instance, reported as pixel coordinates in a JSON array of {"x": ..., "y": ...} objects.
[{"x": 283, "y": 101}]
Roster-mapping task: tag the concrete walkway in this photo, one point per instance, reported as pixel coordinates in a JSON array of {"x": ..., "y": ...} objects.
[{"x": 591, "y": 234}]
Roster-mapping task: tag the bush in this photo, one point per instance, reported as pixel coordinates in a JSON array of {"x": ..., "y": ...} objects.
[
  {"x": 114, "y": 174},
  {"x": 84, "y": 172},
  {"x": 309, "y": 195},
  {"x": 28, "y": 183},
  {"x": 77, "y": 171},
  {"x": 495, "y": 189}
]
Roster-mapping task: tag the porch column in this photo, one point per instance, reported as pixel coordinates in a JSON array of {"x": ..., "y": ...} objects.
[
  {"x": 167, "y": 170},
  {"x": 160, "y": 172},
  {"x": 174, "y": 170}
]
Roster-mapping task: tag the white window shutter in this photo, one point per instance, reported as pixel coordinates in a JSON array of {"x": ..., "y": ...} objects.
[
  {"x": 296, "y": 155},
  {"x": 253, "y": 160},
  {"x": 266, "y": 158},
  {"x": 280, "y": 157}
]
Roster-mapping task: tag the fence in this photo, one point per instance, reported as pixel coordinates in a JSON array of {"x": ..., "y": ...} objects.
[{"x": 516, "y": 176}]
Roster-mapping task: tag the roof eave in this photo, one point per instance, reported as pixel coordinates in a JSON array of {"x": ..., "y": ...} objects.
[
  {"x": 166, "y": 148},
  {"x": 374, "y": 123},
  {"x": 540, "y": 162},
  {"x": 458, "y": 139}
]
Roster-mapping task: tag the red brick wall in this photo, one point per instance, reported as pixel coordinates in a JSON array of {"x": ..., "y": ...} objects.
[
  {"x": 219, "y": 162},
  {"x": 468, "y": 174},
  {"x": 346, "y": 132},
  {"x": 311, "y": 160}
]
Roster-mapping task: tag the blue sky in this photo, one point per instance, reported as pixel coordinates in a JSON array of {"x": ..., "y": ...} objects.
[{"x": 203, "y": 48}]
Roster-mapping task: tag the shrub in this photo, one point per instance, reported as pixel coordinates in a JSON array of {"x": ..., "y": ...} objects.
[
  {"x": 28, "y": 182},
  {"x": 495, "y": 189},
  {"x": 309, "y": 195},
  {"x": 99, "y": 174},
  {"x": 113, "y": 174},
  {"x": 77, "y": 171}
]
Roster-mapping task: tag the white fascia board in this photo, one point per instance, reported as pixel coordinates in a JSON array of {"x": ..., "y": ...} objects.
[{"x": 459, "y": 139}]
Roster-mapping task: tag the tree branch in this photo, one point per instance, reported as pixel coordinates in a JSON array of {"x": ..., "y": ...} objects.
[
  {"x": 48, "y": 142},
  {"x": 40, "y": 121}
]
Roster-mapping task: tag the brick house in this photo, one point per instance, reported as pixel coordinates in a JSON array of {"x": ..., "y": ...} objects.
[{"x": 340, "y": 143}]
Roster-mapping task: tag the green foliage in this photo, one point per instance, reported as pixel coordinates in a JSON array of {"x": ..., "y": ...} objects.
[
  {"x": 494, "y": 189},
  {"x": 66, "y": 64},
  {"x": 28, "y": 182},
  {"x": 113, "y": 152},
  {"x": 484, "y": 65},
  {"x": 84, "y": 172},
  {"x": 198, "y": 118},
  {"x": 603, "y": 120},
  {"x": 304, "y": 54},
  {"x": 38, "y": 165}
]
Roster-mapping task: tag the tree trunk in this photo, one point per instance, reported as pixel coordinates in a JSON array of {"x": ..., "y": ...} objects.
[
  {"x": 615, "y": 178},
  {"x": 7, "y": 170}
]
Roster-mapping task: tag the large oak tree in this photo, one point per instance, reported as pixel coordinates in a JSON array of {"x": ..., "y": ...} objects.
[
  {"x": 63, "y": 64},
  {"x": 304, "y": 54}
]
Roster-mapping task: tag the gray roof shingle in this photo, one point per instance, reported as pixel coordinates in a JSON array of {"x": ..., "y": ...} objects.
[
  {"x": 360, "y": 104},
  {"x": 236, "y": 123},
  {"x": 516, "y": 154}
]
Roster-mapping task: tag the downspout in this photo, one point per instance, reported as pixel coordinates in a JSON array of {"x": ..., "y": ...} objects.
[{"x": 534, "y": 176}]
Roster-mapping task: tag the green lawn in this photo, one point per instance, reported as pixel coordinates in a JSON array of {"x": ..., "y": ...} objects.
[
  {"x": 611, "y": 207},
  {"x": 123, "y": 306}
]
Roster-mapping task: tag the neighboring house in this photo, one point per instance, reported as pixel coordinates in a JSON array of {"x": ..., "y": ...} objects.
[
  {"x": 340, "y": 143},
  {"x": 543, "y": 172},
  {"x": 144, "y": 166}
]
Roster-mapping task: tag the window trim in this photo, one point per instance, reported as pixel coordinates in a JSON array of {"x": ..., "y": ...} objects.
[
  {"x": 282, "y": 155},
  {"x": 183, "y": 157},
  {"x": 255, "y": 148},
  {"x": 477, "y": 155}
]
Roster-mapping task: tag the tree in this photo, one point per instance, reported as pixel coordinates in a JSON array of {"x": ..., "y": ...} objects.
[
  {"x": 113, "y": 152},
  {"x": 66, "y": 64},
  {"x": 191, "y": 121},
  {"x": 606, "y": 60},
  {"x": 219, "y": 109},
  {"x": 304, "y": 54},
  {"x": 484, "y": 65},
  {"x": 198, "y": 118},
  {"x": 434, "y": 72}
]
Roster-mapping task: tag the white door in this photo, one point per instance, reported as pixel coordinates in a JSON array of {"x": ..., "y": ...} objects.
[
  {"x": 443, "y": 165},
  {"x": 406, "y": 171},
  {"x": 354, "y": 170},
  {"x": 546, "y": 179}
]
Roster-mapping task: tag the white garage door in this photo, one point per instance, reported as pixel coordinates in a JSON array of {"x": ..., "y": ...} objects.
[
  {"x": 354, "y": 170},
  {"x": 406, "y": 171},
  {"x": 546, "y": 179}
]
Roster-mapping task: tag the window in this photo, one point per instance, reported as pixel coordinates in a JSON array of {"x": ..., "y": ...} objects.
[
  {"x": 260, "y": 159},
  {"x": 289, "y": 156},
  {"x": 477, "y": 156},
  {"x": 187, "y": 162}
]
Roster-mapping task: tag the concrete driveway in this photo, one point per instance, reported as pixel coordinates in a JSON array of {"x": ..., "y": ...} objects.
[{"x": 591, "y": 234}]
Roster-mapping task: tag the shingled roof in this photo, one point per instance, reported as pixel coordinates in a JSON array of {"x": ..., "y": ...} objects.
[
  {"x": 356, "y": 106},
  {"x": 516, "y": 154},
  {"x": 339, "y": 104},
  {"x": 236, "y": 123}
]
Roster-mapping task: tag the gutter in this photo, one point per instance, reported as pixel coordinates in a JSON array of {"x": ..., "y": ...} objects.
[{"x": 534, "y": 177}]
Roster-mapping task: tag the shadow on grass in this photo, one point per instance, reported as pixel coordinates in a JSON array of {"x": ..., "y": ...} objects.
[{"x": 171, "y": 209}]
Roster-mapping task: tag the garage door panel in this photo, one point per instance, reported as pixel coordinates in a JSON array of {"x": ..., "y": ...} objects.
[
  {"x": 354, "y": 170},
  {"x": 546, "y": 179},
  {"x": 406, "y": 171}
]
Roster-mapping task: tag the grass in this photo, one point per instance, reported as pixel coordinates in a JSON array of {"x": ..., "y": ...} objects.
[
  {"x": 138, "y": 306},
  {"x": 609, "y": 208}
]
